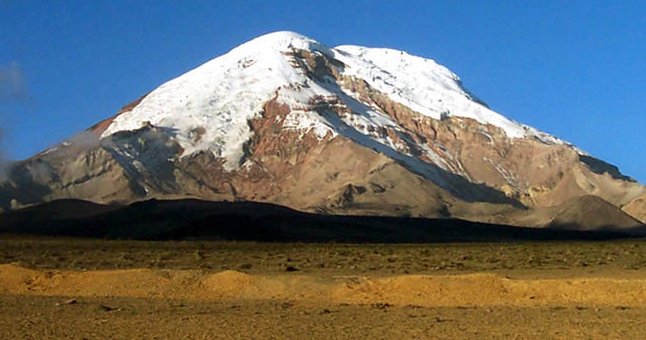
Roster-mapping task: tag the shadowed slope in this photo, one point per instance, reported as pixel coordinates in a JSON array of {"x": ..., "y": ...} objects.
[
  {"x": 182, "y": 219},
  {"x": 593, "y": 213}
]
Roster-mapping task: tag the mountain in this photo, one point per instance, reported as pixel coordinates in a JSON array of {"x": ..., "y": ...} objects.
[{"x": 349, "y": 130}]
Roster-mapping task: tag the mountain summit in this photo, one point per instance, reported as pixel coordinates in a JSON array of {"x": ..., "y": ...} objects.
[{"x": 284, "y": 119}]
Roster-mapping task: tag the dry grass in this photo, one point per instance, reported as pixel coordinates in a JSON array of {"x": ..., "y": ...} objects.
[{"x": 341, "y": 259}]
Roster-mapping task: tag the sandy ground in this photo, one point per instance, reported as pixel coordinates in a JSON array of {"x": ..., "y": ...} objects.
[
  {"x": 29, "y": 317},
  {"x": 54, "y": 288}
]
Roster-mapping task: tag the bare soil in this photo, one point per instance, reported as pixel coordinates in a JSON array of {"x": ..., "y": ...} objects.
[
  {"x": 74, "y": 288},
  {"x": 29, "y": 317}
]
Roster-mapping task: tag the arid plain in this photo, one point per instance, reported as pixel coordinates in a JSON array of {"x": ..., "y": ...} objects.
[{"x": 76, "y": 288}]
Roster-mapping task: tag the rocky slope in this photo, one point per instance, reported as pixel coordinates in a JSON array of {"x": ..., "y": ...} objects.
[
  {"x": 346, "y": 130},
  {"x": 637, "y": 208}
]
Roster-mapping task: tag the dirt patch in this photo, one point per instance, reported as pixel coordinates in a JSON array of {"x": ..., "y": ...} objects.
[{"x": 423, "y": 290}]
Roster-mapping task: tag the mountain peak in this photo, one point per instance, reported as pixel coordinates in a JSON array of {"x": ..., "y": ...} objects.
[
  {"x": 280, "y": 41},
  {"x": 279, "y": 38}
]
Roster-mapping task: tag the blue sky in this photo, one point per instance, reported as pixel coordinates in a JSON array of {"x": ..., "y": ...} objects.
[{"x": 575, "y": 69}]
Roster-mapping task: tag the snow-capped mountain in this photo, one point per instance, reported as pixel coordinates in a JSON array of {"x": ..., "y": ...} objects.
[
  {"x": 352, "y": 130},
  {"x": 221, "y": 96}
]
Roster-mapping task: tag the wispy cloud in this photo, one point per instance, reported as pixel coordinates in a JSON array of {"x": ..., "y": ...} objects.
[
  {"x": 13, "y": 88},
  {"x": 13, "y": 83}
]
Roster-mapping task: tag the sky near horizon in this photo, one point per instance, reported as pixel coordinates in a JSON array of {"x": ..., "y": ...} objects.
[{"x": 575, "y": 69}]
